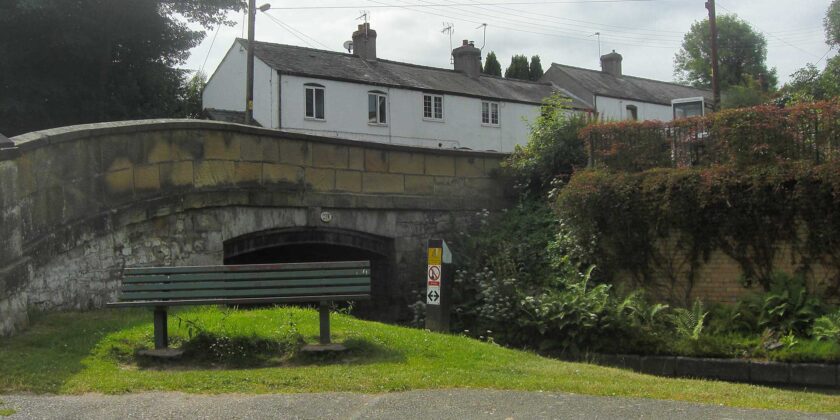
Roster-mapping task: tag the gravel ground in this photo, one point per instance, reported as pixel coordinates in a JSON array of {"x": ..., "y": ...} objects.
[{"x": 431, "y": 404}]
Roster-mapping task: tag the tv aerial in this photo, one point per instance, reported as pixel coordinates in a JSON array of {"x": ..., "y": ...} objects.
[
  {"x": 348, "y": 45},
  {"x": 449, "y": 28}
]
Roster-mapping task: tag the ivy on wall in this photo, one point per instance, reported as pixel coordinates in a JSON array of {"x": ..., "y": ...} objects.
[{"x": 624, "y": 219}]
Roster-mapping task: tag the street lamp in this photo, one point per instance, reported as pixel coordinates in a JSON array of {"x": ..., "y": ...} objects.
[{"x": 249, "y": 84}]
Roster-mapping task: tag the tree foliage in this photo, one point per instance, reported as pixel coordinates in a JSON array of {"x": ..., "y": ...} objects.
[
  {"x": 518, "y": 68},
  {"x": 832, "y": 24},
  {"x": 742, "y": 54},
  {"x": 94, "y": 60},
  {"x": 535, "y": 70},
  {"x": 492, "y": 66}
]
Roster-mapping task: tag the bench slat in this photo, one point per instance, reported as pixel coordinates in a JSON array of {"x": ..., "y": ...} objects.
[
  {"x": 247, "y": 268},
  {"x": 227, "y": 293},
  {"x": 239, "y": 301},
  {"x": 243, "y": 284},
  {"x": 230, "y": 276}
]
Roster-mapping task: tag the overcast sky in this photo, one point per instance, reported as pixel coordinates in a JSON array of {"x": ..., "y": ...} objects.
[{"x": 646, "y": 32}]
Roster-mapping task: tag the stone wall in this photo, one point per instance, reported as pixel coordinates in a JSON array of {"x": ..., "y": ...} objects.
[{"x": 78, "y": 204}]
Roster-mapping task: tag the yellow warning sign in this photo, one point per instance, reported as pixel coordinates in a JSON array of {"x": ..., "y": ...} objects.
[{"x": 435, "y": 256}]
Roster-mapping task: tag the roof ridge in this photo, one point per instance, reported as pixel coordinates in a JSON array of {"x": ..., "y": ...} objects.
[{"x": 631, "y": 77}]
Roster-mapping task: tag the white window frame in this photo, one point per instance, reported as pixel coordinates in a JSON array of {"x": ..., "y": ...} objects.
[
  {"x": 380, "y": 97},
  {"x": 433, "y": 108},
  {"x": 313, "y": 88},
  {"x": 490, "y": 105}
]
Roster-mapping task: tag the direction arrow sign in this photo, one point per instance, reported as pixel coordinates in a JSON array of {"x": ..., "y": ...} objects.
[{"x": 433, "y": 295}]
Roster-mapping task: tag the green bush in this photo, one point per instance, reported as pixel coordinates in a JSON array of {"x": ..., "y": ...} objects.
[{"x": 827, "y": 327}]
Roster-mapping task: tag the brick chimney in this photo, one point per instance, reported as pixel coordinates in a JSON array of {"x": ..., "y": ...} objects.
[
  {"x": 611, "y": 63},
  {"x": 364, "y": 42},
  {"x": 467, "y": 59}
]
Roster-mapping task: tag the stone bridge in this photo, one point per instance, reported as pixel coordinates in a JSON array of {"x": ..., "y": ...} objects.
[{"x": 78, "y": 204}]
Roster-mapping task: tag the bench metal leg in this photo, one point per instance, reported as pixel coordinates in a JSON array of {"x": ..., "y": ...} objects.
[
  {"x": 161, "y": 333},
  {"x": 324, "y": 311}
]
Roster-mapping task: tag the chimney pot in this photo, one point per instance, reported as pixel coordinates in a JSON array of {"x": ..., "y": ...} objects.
[
  {"x": 364, "y": 42},
  {"x": 611, "y": 63}
]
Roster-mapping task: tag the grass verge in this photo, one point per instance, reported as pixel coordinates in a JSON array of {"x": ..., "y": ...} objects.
[{"x": 72, "y": 353}]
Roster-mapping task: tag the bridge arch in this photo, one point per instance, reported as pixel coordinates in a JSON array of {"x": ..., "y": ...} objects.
[{"x": 78, "y": 204}]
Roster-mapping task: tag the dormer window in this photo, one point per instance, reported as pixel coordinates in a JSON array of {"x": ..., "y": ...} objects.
[
  {"x": 314, "y": 96},
  {"x": 377, "y": 107}
]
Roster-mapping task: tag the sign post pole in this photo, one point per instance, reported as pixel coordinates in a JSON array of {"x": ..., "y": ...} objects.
[{"x": 438, "y": 285}]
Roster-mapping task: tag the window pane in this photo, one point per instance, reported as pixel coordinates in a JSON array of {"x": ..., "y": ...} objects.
[
  {"x": 494, "y": 114},
  {"x": 427, "y": 106},
  {"x": 485, "y": 112},
  {"x": 382, "y": 105},
  {"x": 372, "y": 108},
  {"x": 310, "y": 106},
  {"x": 439, "y": 107},
  {"x": 319, "y": 104}
]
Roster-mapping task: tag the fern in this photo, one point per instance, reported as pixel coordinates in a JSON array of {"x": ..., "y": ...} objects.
[
  {"x": 827, "y": 327},
  {"x": 689, "y": 322}
]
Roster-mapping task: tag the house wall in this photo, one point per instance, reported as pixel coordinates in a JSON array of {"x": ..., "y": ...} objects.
[
  {"x": 346, "y": 117},
  {"x": 613, "y": 109},
  {"x": 226, "y": 88}
]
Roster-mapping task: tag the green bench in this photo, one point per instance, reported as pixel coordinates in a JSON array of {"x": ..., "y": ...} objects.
[{"x": 323, "y": 282}]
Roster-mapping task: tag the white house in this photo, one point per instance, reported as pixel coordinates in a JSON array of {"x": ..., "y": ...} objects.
[
  {"x": 616, "y": 96},
  {"x": 359, "y": 96}
]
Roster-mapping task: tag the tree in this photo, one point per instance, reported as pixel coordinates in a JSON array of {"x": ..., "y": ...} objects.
[
  {"x": 742, "y": 54},
  {"x": 536, "y": 71},
  {"x": 518, "y": 68},
  {"x": 94, "y": 60},
  {"x": 832, "y": 24},
  {"x": 492, "y": 66}
]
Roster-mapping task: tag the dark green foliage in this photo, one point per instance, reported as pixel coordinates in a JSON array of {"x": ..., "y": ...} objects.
[
  {"x": 827, "y": 327},
  {"x": 535, "y": 71},
  {"x": 553, "y": 150},
  {"x": 492, "y": 66},
  {"x": 91, "y": 60},
  {"x": 742, "y": 53},
  {"x": 832, "y": 23},
  {"x": 787, "y": 307},
  {"x": 810, "y": 84},
  {"x": 748, "y": 94},
  {"x": 518, "y": 68}
]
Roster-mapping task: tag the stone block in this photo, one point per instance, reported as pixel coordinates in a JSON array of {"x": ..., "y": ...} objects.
[
  {"x": 294, "y": 152},
  {"x": 250, "y": 148},
  {"x": 329, "y": 156},
  {"x": 813, "y": 374},
  {"x": 274, "y": 173},
  {"x": 769, "y": 372},
  {"x": 491, "y": 166},
  {"x": 221, "y": 146},
  {"x": 450, "y": 186},
  {"x": 382, "y": 183},
  {"x": 320, "y": 179},
  {"x": 146, "y": 178},
  {"x": 187, "y": 144},
  {"x": 658, "y": 365},
  {"x": 419, "y": 184},
  {"x": 440, "y": 165},
  {"x": 356, "y": 158},
  {"x": 248, "y": 173},
  {"x": 350, "y": 181},
  {"x": 406, "y": 163},
  {"x": 120, "y": 152},
  {"x": 120, "y": 181},
  {"x": 158, "y": 149},
  {"x": 211, "y": 173},
  {"x": 270, "y": 149},
  {"x": 176, "y": 174},
  {"x": 469, "y": 167},
  {"x": 376, "y": 160},
  {"x": 723, "y": 369}
]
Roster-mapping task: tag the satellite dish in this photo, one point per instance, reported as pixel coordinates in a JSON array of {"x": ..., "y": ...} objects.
[{"x": 348, "y": 45}]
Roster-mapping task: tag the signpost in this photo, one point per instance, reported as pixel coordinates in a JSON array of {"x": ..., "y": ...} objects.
[{"x": 438, "y": 285}]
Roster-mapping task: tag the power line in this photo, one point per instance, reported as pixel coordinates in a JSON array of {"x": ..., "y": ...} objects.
[
  {"x": 774, "y": 36},
  {"x": 296, "y": 33},
  {"x": 213, "y": 42},
  {"x": 516, "y": 3}
]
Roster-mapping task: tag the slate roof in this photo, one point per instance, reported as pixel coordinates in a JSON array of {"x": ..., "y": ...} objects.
[
  {"x": 309, "y": 62},
  {"x": 626, "y": 87}
]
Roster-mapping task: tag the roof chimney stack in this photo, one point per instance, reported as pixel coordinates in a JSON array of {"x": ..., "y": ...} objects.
[
  {"x": 364, "y": 42},
  {"x": 611, "y": 63},
  {"x": 467, "y": 59}
]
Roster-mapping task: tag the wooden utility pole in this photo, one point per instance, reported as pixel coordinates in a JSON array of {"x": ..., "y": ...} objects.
[
  {"x": 710, "y": 4},
  {"x": 249, "y": 83}
]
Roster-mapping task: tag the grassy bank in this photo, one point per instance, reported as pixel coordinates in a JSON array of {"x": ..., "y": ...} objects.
[{"x": 93, "y": 352}]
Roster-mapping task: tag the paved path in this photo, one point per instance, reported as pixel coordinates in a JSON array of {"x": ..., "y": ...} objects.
[{"x": 428, "y": 405}]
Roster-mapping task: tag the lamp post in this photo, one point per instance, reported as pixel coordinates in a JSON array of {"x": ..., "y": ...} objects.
[{"x": 249, "y": 75}]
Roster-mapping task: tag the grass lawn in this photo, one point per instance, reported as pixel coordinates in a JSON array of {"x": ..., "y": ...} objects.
[{"x": 73, "y": 353}]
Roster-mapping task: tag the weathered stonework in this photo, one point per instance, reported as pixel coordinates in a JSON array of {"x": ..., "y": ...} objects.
[{"x": 78, "y": 204}]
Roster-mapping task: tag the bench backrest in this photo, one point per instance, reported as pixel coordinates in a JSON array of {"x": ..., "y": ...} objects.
[{"x": 247, "y": 283}]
